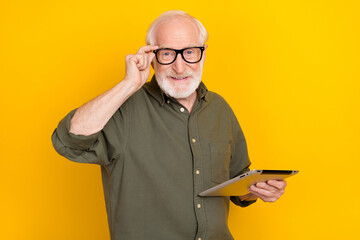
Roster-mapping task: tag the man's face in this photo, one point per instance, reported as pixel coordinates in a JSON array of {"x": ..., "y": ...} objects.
[{"x": 179, "y": 79}]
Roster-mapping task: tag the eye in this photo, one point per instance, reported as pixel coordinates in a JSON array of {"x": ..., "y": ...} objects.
[{"x": 167, "y": 53}]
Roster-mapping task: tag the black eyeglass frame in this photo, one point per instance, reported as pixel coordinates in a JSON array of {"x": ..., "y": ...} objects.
[{"x": 177, "y": 51}]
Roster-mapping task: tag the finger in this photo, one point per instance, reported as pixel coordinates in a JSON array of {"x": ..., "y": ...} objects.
[
  {"x": 265, "y": 186},
  {"x": 265, "y": 198},
  {"x": 279, "y": 184},
  {"x": 148, "y": 48},
  {"x": 140, "y": 61},
  {"x": 148, "y": 59},
  {"x": 260, "y": 192},
  {"x": 258, "y": 195},
  {"x": 131, "y": 60},
  {"x": 146, "y": 62},
  {"x": 134, "y": 61},
  {"x": 151, "y": 56}
]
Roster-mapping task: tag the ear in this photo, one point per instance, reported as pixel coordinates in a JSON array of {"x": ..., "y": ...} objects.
[
  {"x": 153, "y": 63},
  {"x": 204, "y": 53}
]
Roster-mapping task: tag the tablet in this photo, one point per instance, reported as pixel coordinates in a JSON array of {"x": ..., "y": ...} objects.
[{"x": 238, "y": 186}]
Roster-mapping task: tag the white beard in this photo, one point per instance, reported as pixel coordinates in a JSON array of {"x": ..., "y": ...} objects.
[{"x": 179, "y": 90}]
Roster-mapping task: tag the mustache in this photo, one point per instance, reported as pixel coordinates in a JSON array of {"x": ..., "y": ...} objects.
[{"x": 186, "y": 73}]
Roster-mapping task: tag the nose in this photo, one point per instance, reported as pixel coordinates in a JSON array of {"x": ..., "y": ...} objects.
[{"x": 179, "y": 64}]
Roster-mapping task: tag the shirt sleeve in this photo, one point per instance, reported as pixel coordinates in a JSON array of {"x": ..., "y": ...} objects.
[
  {"x": 240, "y": 161},
  {"x": 236, "y": 200},
  {"x": 98, "y": 148}
]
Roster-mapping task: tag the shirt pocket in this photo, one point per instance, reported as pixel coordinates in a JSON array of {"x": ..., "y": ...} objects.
[{"x": 220, "y": 160}]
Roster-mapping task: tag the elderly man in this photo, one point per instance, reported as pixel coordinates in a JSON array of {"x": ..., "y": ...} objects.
[{"x": 161, "y": 143}]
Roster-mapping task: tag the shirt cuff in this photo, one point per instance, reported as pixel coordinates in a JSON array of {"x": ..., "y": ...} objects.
[
  {"x": 71, "y": 140},
  {"x": 236, "y": 200}
]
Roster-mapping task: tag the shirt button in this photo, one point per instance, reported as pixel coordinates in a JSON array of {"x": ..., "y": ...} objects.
[
  {"x": 193, "y": 140},
  {"x": 168, "y": 101},
  {"x": 182, "y": 109},
  {"x": 199, "y": 205},
  {"x": 197, "y": 172}
]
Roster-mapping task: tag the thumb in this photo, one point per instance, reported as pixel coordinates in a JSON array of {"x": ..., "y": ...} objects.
[{"x": 151, "y": 56}]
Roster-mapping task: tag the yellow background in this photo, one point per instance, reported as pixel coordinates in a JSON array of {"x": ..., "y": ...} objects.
[{"x": 289, "y": 69}]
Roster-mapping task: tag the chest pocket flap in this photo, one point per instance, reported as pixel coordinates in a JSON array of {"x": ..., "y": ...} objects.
[{"x": 220, "y": 161}]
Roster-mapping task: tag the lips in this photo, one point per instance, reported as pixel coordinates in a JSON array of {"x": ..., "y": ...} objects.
[{"x": 179, "y": 78}]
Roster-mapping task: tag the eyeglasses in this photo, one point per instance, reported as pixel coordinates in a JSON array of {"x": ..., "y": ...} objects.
[{"x": 166, "y": 56}]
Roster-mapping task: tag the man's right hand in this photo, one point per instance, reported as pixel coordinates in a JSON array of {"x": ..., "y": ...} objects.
[
  {"x": 93, "y": 115},
  {"x": 138, "y": 66}
]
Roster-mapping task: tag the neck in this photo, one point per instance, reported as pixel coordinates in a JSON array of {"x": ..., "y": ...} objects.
[{"x": 188, "y": 102}]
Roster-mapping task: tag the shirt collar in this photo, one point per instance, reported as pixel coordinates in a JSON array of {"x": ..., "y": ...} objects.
[{"x": 154, "y": 90}]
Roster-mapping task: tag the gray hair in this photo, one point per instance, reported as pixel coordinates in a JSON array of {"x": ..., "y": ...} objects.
[{"x": 203, "y": 35}]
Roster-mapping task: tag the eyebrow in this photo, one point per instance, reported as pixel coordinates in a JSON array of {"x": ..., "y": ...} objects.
[{"x": 192, "y": 45}]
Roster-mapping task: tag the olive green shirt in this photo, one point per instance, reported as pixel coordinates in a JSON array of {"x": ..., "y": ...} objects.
[{"x": 156, "y": 157}]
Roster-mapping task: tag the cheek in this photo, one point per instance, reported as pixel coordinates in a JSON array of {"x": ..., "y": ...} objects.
[
  {"x": 196, "y": 67},
  {"x": 161, "y": 69}
]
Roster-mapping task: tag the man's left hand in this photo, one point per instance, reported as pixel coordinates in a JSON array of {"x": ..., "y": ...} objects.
[{"x": 269, "y": 191}]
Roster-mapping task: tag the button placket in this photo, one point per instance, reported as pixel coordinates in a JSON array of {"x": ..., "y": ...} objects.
[{"x": 198, "y": 201}]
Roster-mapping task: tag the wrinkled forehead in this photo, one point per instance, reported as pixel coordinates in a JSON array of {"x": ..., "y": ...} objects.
[{"x": 177, "y": 32}]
